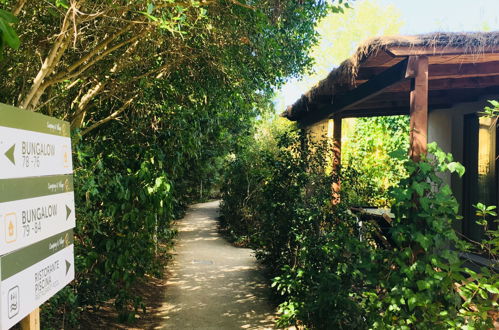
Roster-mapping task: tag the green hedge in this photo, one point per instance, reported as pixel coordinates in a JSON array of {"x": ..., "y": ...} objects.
[{"x": 329, "y": 269}]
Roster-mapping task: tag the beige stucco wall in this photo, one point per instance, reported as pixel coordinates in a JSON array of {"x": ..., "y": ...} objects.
[
  {"x": 445, "y": 126},
  {"x": 318, "y": 131}
]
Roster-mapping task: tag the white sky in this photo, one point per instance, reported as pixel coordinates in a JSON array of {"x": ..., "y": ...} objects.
[{"x": 425, "y": 16}]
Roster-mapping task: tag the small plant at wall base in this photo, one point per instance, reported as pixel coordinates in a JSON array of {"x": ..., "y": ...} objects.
[
  {"x": 423, "y": 276},
  {"x": 490, "y": 244},
  {"x": 492, "y": 110},
  {"x": 484, "y": 285}
]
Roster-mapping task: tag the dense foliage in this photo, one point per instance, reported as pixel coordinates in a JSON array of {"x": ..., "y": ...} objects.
[
  {"x": 371, "y": 169},
  {"x": 331, "y": 269},
  {"x": 158, "y": 92},
  {"x": 422, "y": 279}
]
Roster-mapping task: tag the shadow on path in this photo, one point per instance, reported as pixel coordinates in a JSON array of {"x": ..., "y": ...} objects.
[{"x": 213, "y": 285}]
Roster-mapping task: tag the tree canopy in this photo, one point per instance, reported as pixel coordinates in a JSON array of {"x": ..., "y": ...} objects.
[{"x": 79, "y": 55}]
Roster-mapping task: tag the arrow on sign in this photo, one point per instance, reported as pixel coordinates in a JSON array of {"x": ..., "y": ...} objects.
[
  {"x": 10, "y": 154},
  {"x": 68, "y": 212},
  {"x": 68, "y": 265}
]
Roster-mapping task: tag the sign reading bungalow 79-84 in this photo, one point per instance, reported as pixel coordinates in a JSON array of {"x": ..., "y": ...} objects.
[
  {"x": 33, "y": 209},
  {"x": 37, "y": 211}
]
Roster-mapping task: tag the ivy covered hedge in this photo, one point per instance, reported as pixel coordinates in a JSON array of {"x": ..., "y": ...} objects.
[{"x": 330, "y": 269}]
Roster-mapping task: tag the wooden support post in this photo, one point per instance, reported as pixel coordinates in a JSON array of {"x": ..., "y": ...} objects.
[
  {"x": 32, "y": 321},
  {"x": 337, "y": 141},
  {"x": 417, "y": 69},
  {"x": 337, "y": 157}
]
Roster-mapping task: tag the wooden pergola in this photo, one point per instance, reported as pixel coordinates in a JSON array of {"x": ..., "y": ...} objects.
[{"x": 408, "y": 75}]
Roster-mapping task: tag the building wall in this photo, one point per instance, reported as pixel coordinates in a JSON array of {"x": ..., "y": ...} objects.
[
  {"x": 440, "y": 130},
  {"x": 319, "y": 131}
]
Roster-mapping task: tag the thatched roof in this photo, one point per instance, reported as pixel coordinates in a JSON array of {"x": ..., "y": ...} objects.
[{"x": 377, "y": 54}]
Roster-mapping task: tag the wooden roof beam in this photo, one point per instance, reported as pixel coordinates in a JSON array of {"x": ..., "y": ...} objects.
[
  {"x": 458, "y": 70},
  {"x": 452, "y": 84},
  {"x": 464, "y": 69},
  {"x": 394, "y": 111},
  {"x": 434, "y": 103},
  {"x": 436, "y": 97},
  {"x": 398, "y": 103},
  {"x": 378, "y": 113},
  {"x": 371, "y": 88},
  {"x": 466, "y": 83}
]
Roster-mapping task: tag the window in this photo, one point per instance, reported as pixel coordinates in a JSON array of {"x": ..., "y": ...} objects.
[{"x": 481, "y": 179}]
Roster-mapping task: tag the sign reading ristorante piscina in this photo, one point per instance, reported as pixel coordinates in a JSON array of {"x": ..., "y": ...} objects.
[
  {"x": 32, "y": 209},
  {"x": 31, "y": 275},
  {"x": 32, "y": 144}
]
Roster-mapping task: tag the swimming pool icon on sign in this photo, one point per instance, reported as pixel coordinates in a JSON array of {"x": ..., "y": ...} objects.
[{"x": 13, "y": 301}]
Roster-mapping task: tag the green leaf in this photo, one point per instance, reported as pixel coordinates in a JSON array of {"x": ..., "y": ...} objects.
[
  {"x": 494, "y": 289},
  {"x": 8, "y": 17},
  {"x": 150, "y": 8},
  {"x": 456, "y": 167},
  {"x": 151, "y": 17},
  {"x": 411, "y": 302},
  {"x": 398, "y": 154},
  {"x": 423, "y": 240},
  {"x": 62, "y": 3},
  {"x": 419, "y": 187},
  {"x": 480, "y": 206},
  {"x": 494, "y": 103},
  {"x": 423, "y": 285},
  {"x": 425, "y": 167},
  {"x": 9, "y": 36}
]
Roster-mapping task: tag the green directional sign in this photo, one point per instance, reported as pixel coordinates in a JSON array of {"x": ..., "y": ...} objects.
[
  {"x": 10, "y": 154},
  {"x": 15, "y": 262},
  {"x": 13, "y": 117},
  {"x": 32, "y": 209},
  {"x": 68, "y": 212},
  {"x": 32, "y": 144},
  {"x": 24, "y": 188},
  {"x": 31, "y": 275}
]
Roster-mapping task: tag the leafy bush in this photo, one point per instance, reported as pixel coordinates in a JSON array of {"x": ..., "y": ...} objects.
[
  {"x": 125, "y": 210},
  {"x": 370, "y": 171},
  {"x": 418, "y": 284},
  {"x": 329, "y": 268},
  {"x": 118, "y": 242},
  {"x": 245, "y": 177},
  {"x": 283, "y": 193}
]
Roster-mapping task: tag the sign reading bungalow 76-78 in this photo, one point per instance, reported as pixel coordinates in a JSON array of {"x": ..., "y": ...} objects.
[
  {"x": 37, "y": 211},
  {"x": 32, "y": 144}
]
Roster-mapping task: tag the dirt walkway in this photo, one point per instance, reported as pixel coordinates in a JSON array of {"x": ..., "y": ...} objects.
[{"x": 213, "y": 285}]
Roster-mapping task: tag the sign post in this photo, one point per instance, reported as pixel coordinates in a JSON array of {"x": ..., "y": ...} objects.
[
  {"x": 32, "y": 321},
  {"x": 37, "y": 214}
]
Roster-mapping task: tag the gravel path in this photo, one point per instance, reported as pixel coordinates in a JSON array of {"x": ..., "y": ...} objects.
[{"x": 213, "y": 285}]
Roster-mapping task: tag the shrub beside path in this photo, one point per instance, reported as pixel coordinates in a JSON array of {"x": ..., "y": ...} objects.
[{"x": 213, "y": 285}]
